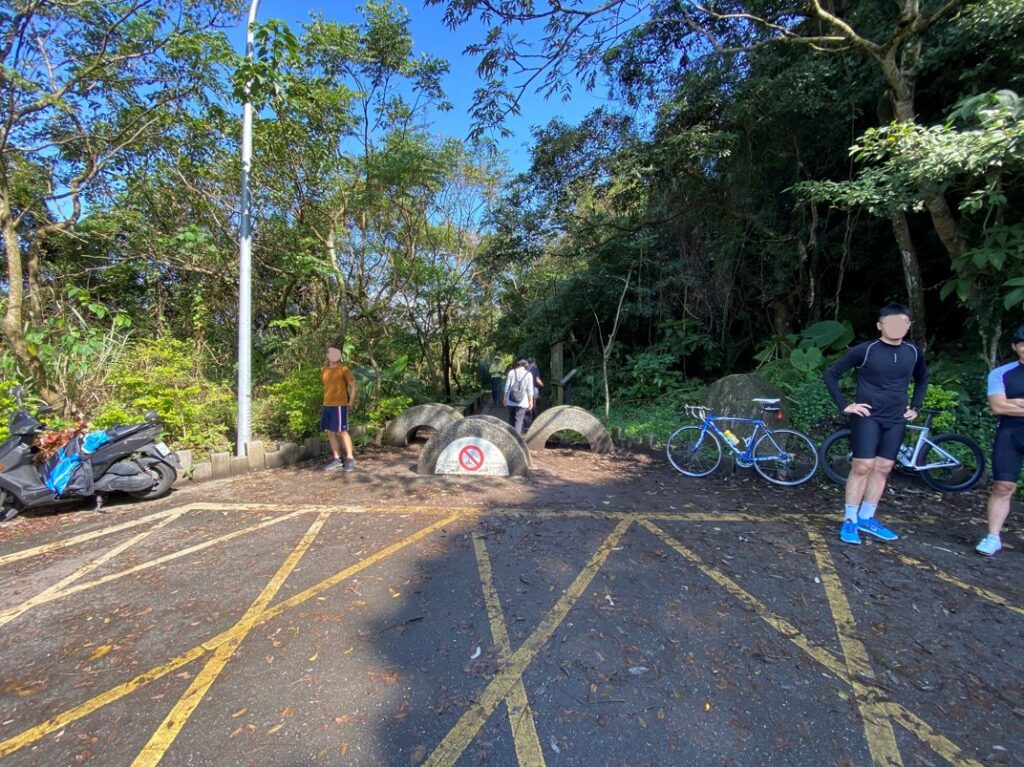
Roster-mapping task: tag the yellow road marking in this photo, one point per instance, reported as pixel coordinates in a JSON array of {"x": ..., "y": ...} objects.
[
  {"x": 171, "y": 557},
  {"x": 980, "y": 591},
  {"x": 878, "y": 732},
  {"x": 469, "y": 724},
  {"x": 928, "y": 735},
  {"x": 924, "y": 732},
  {"x": 167, "y": 732},
  {"x": 58, "y": 589},
  {"x": 66, "y": 542},
  {"x": 520, "y": 715},
  {"x": 777, "y": 622},
  {"x": 681, "y": 515},
  {"x": 39, "y": 731}
]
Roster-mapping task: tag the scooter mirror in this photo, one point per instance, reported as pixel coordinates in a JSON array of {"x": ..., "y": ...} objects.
[
  {"x": 152, "y": 416},
  {"x": 44, "y": 410}
]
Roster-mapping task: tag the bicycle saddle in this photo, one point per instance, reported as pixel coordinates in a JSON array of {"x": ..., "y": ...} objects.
[{"x": 764, "y": 401}]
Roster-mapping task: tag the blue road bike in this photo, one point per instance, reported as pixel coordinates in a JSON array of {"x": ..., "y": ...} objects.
[{"x": 782, "y": 456}]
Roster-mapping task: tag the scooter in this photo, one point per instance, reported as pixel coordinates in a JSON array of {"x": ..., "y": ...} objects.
[{"x": 127, "y": 459}]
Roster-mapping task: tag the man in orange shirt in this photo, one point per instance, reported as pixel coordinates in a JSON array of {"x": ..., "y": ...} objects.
[{"x": 340, "y": 389}]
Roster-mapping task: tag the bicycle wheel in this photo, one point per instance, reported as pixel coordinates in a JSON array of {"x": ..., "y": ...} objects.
[
  {"x": 958, "y": 477},
  {"x": 836, "y": 456},
  {"x": 785, "y": 457},
  {"x": 692, "y": 452}
]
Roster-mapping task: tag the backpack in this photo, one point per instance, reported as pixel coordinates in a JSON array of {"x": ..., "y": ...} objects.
[{"x": 517, "y": 391}]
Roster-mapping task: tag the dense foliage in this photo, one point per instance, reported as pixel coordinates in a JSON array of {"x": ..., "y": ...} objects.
[{"x": 763, "y": 178}]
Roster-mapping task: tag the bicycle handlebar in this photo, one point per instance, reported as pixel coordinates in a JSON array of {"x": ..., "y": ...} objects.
[{"x": 697, "y": 411}]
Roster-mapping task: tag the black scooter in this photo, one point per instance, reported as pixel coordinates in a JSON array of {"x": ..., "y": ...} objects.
[{"x": 131, "y": 461}]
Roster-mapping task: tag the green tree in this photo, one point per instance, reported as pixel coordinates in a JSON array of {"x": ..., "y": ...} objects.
[{"x": 90, "y": 89}]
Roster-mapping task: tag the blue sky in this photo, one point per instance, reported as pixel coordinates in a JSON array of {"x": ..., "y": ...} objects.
[{"x": 430, "y": 35}]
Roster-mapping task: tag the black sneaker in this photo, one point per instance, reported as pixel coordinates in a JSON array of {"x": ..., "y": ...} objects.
[
  {"x": 350, "y": 463},
  {"x": 335, "y": 464}
]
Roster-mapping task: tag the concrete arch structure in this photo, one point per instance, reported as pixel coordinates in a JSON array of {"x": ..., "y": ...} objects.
[
  {"x": 569, "y": 418},
  {"x": 400, "y": 430},
  {"x": 478, "y": 445}
]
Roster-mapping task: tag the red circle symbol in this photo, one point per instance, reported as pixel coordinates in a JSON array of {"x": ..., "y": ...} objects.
[{"x": 471, "y": 458}]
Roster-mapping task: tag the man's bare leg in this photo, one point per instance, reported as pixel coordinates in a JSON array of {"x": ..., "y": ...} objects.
[{"x": 876, "y": 480}]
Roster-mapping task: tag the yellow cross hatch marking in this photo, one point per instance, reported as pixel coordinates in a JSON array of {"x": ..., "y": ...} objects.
[
  {"x": 921, "y": 729},
  {"x": 520, "y": 715},
  {"x": 78, "y": 587},
  {"x": 877, "y": 729},
  {"x": 173, "y": 723},
  {"x": 61, "y": 587},
  {"x": 59, "y": 721},
  {"x": 469, "y": 724}
]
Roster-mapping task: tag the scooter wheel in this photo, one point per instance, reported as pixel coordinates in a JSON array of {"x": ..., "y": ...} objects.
[{"x": 162, "y": 473}]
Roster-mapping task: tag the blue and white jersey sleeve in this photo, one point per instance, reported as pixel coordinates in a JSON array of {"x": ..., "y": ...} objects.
[{"x": 997, "y": 379}]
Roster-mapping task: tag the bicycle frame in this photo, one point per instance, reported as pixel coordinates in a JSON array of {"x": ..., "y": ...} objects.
[
  {"x": 920, "y": 446},
  {"x": 709, "y": 422}
]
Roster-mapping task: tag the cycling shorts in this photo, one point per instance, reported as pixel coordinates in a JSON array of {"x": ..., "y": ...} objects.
[
  {"x": 1007, "y": 453},
  {"x": 871, "y": 438}
]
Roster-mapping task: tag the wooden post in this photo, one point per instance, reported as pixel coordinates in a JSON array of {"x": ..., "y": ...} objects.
[{"x": 557, "y": 370}]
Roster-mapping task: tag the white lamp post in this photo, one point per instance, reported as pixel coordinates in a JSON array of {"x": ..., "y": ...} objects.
[{"x": 245, "y": 262}]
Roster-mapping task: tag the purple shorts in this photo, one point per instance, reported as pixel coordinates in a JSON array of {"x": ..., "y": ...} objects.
[{"x": 334, "y": 418}]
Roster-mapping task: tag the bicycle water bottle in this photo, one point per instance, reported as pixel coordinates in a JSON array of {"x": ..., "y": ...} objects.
[
  {"x": 906, "y": 453},
  {"x": 731, "y": 437}
]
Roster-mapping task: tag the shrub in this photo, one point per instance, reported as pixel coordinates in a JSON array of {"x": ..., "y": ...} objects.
[
  {"x": 7, "y": 405},
  {"x": 290, "y": 408},
  {"x": 166, "y": 375},
  {"x": 649, "y": 375},
  {"x": 810, "y": 407},
  {"x": 386, "y": 409}
]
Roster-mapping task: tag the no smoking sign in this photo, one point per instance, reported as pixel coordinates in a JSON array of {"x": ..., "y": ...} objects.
[
  {"x": 472, "y": 455},
  {"x": 471, "y": 458}
]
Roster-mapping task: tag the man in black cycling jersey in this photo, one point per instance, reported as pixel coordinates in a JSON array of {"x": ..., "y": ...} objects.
[
  {"x": 879, "y": 416},
  {"x": 1006, "y": 399}
]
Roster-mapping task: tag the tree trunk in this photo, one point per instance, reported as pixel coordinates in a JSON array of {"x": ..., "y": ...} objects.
[
  {"x": 332, "y": 254},
  {"x": 446, "y": 354},
  {"x": 945, "y": 224},
  {"x": 12, "y": 326},
  {"x": 901, "y": 227},
  {"x": 911, "y": 275}
]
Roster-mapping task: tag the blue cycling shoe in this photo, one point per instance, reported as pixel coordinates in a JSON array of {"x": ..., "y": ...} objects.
[
  {"x": 848, "y": 532},
  {"x": 877, "y": 529}
]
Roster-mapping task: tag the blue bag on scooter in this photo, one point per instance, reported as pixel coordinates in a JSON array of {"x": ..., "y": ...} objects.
[{"x": 68, "y": 471}]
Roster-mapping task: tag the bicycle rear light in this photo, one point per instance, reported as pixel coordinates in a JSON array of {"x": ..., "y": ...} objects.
[{"x": 778, "y": 415}]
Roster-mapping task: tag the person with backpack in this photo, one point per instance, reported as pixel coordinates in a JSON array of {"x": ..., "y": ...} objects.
[{"x": 518, "y": 394}]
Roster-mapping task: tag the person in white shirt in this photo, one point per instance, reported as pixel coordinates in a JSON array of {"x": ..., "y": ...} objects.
[{"x": 518, "y": 394}]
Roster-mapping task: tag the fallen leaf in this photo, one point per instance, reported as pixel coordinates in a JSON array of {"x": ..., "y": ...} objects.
[
  {"x": 275, "y": 728},
  {"x": 236, "y": 733},
  {"x": 239, "y": 713},
  {"x": 343, "y": 748},
  {"x": 100, "y": 651}
]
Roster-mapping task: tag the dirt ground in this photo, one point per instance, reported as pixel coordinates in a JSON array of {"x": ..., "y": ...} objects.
[{"x": 605, "y": 610}]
